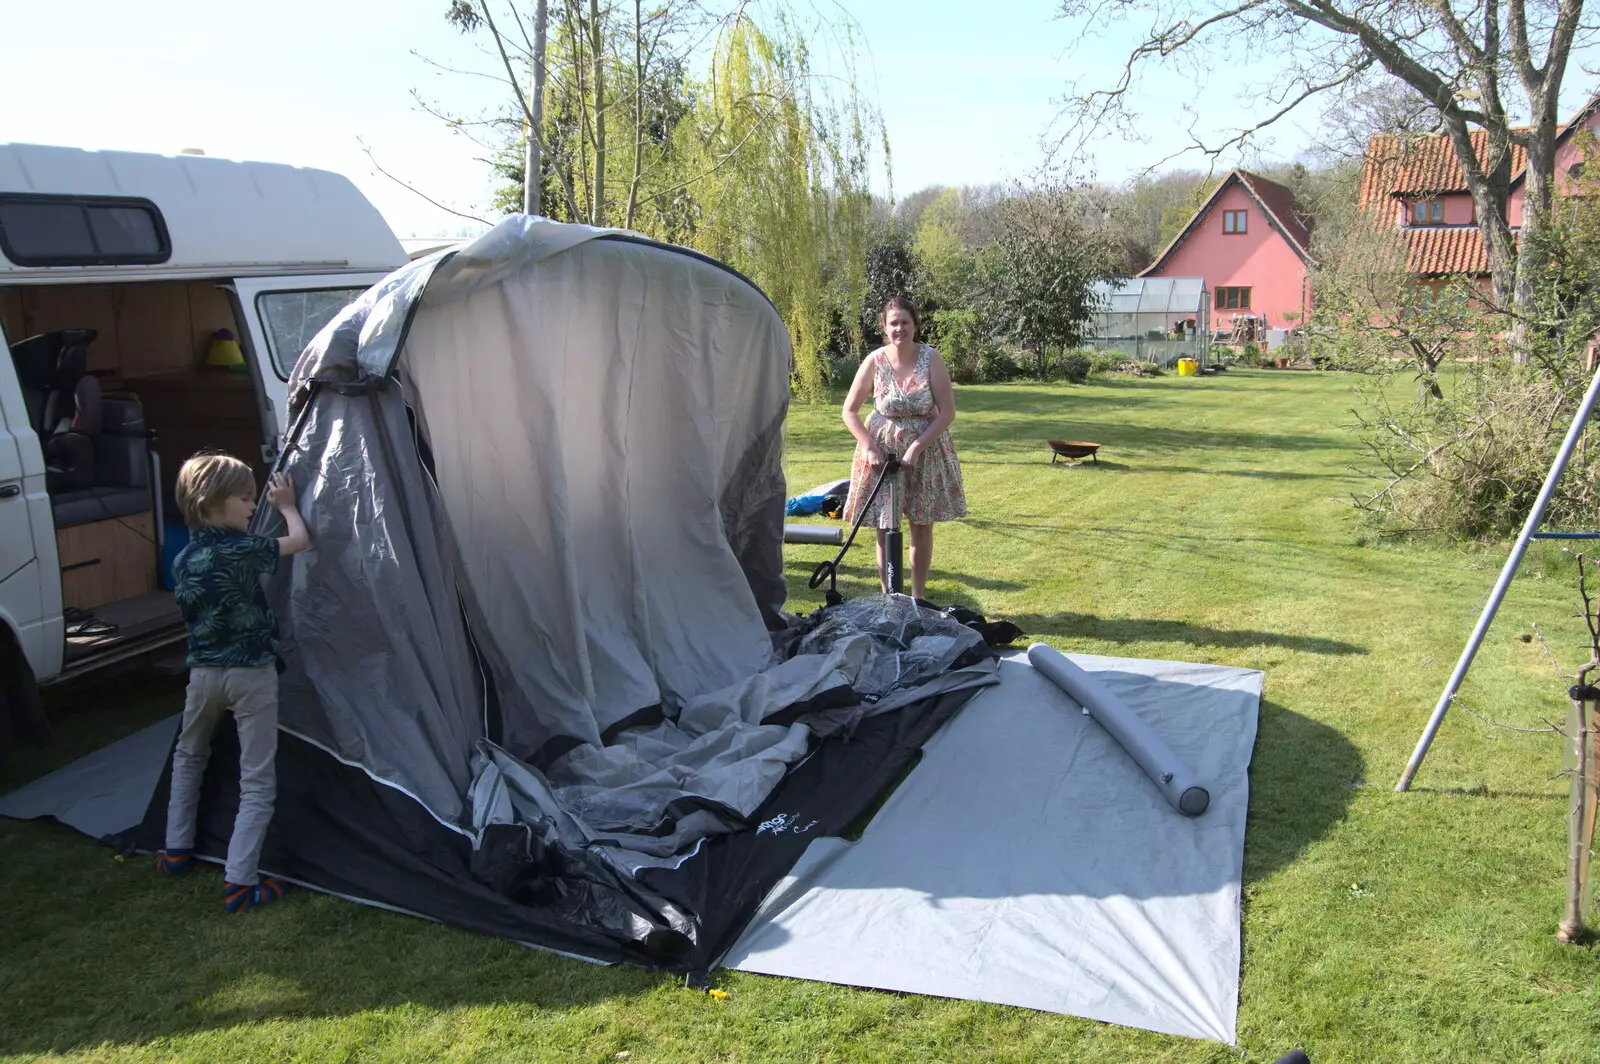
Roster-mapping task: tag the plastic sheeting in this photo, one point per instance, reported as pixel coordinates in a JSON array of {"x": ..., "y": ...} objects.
[
  {"x": 1027, "y": 861},
  {"x": 906, "y": 646}
]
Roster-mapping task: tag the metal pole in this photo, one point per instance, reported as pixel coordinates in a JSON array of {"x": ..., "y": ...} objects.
[
  {"x": 1502, "y": 584},
  {"x": 893, "y": 546}
]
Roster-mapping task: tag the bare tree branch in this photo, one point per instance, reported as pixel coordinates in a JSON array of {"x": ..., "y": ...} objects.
[{"x": 412, "y": 188}]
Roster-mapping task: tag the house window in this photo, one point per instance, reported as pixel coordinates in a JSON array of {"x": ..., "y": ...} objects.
[
  {"x": 1233, "y": 221},
  {"x": 1427, "y": 212},
  {"x": 49, "y": 230},
  {"x": 1233, "y": 299}
]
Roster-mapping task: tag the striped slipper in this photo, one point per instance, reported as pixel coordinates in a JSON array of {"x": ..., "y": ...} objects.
[
  {"x": 174, "y": 862},
  {"x": 241, "y": 897}
]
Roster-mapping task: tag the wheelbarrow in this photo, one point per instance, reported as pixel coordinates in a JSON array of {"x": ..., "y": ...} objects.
[{"x": 1073, "y": 449}]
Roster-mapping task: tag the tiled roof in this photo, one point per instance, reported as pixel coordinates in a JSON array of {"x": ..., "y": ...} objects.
[
  {"x": 1409, "y": 166},
  {"x": 1282, "y": 209},
  {"x": 1436, "y": 252},
  {"x": 1277, "y": 200}
]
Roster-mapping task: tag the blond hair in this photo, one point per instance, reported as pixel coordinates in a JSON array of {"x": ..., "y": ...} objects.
[{"x": 206, "y": 481}]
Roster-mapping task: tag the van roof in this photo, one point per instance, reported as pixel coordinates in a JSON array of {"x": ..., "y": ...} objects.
[{"x": 224, "y": 217}]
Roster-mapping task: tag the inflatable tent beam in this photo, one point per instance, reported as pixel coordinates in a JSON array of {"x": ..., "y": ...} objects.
[
  {"x": 1176, "y": 783},
  {"x": 825, "y": 535}
]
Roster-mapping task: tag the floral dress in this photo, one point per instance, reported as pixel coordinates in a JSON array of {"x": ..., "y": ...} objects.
[{"x": 931, "y": 489}]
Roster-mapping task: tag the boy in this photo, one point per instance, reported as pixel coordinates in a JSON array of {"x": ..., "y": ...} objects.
[{"x": 232, "y": 667}]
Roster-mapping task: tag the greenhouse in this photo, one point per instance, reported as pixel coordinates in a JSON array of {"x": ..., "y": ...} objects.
[{"x": 1153, "y": 319}]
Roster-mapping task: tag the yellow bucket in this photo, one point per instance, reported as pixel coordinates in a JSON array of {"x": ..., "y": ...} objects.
[{"x": 1188, "y": 367}]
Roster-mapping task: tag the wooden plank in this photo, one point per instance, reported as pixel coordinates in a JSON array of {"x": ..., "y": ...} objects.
[
  {"x": 52, "y": 307},
  {"x": 154, "y": 329},
  {"x": 121, "y": 560},
  {"x": 11, "y": 320},
  {"x": 209, "y": 310}
]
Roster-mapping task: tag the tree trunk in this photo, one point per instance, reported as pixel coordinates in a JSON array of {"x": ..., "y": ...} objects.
[
  {"x": 598, "y": 55},
  {"x": 1580, "y": 814},
  {"x": 579, "y": 100},
  {"x": 1538, "y": 194},
  {"x": 533, "y": 161},
  {"x": 638, "y": 112},
  {"x": 1489, "y": 181}
]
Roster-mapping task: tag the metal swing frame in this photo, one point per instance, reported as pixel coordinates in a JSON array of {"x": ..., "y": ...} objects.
[{"x": 1530, "y": 531}]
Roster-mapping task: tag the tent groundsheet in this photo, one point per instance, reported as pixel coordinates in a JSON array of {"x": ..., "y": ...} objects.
[
  {"x": 104, "y": 793},
  {"x": 1028, "y": 861}
]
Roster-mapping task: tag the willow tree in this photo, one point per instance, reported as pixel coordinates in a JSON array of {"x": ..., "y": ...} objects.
[
  {"x": 705, "y": 129},
  {"x": 779, "y": 157}
]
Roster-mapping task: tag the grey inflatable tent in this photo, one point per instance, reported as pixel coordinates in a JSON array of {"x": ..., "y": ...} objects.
[{"x": 537, "y": 679}]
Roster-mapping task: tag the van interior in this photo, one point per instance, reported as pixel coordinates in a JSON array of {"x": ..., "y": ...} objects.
[{"x": 120, "y": 389}]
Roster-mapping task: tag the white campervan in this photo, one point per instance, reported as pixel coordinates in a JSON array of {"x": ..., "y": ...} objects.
[{"x": 151, "y": 306}]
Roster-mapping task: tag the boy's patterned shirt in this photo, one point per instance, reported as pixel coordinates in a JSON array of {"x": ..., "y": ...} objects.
[{"x": 217, "y": 582}]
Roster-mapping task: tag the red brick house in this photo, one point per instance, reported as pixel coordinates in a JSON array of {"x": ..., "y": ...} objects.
[
  {"x": 1416, "y": 185},
  {"x": 1250, "y": 240}
]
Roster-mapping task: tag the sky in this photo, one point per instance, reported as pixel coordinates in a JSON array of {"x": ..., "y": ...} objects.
[{"x": 966, "y": 91}]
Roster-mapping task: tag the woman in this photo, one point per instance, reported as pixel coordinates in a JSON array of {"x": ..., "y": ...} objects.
[{"x": 912, "y": 409}]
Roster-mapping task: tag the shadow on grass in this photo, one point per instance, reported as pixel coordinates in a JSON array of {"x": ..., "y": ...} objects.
[
  {"x": 1140, "y": 467},
  {"x": 95, "y": 950},
  {"x": 1134, "y": 630},
  {"x": 1044, "y": 401},
  {"x": 1301, "y": 785},
  {"x": 860, "y": 565},
  {"x": 90, "y": 713},
  {"x": 100, "y": 954},
  {"x": 1144, "y": 437}
]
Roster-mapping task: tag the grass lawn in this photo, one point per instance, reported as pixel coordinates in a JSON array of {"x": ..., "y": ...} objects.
[{"x": 1216, "y": 528}]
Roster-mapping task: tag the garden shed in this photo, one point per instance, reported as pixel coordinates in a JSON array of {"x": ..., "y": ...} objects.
[{"x": 1152, "y": 319}]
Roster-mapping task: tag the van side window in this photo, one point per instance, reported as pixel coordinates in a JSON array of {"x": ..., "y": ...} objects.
[
  {"x": 40, "y": 230},
  {"x": 293, "y": 319}
]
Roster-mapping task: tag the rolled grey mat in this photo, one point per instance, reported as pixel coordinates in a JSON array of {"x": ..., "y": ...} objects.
[
  {"x": 1175, "y": 781},
  {"x": 823, "y": 534}
]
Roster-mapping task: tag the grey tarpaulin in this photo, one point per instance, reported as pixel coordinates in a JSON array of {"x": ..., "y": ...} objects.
[
  {"x": 101, "y": 793},
  {"x": 1023, "y": 863}
]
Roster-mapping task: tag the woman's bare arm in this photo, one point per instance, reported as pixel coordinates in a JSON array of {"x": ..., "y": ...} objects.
[{"x": 860, "y": 390}]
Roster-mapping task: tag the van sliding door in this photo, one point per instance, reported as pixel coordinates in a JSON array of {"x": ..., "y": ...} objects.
[{"x": 278, "y": 317}]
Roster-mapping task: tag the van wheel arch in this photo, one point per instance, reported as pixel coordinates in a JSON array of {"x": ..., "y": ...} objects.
[{"x": 21, "y": 708}]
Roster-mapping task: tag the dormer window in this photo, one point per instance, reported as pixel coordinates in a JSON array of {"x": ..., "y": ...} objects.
[
  {"x": 1234, "y": 221},
  {"x": 1427, "y": 212}
]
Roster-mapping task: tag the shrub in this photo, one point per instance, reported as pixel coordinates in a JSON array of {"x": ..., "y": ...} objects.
[
  {"x": 957, "y": 337},
  {"x": 1135, "y": 368},
  {"x": 1103, "y": 362},
  {"x": 1041, "y": 365},
  {"x": 1075, "y": 366},
  {"x": 842, "y": 371},
  {"x": 1470, "y": 465},
  {"x": 995, "y": 364}
]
